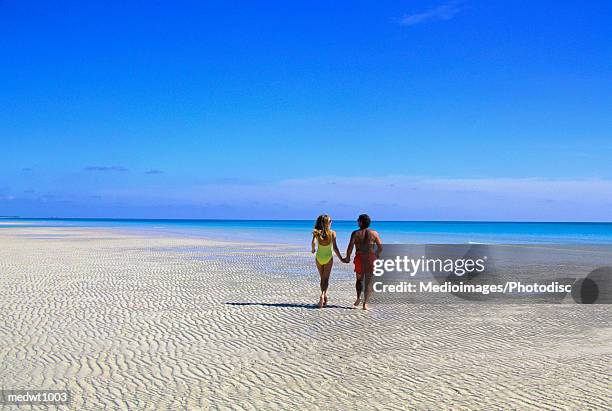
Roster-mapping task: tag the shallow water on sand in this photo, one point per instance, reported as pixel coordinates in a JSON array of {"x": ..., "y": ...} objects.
[{"x": 299, "y": 231}]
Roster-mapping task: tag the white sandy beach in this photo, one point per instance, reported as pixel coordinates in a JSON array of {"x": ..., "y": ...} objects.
[{"x": 151, "y": 322}]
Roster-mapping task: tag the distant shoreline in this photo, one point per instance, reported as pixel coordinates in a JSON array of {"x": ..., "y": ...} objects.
[{"x": 297, "y": 232}]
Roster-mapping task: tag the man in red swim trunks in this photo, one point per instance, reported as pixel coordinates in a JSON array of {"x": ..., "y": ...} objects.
[{"x": 364, "y": 240}]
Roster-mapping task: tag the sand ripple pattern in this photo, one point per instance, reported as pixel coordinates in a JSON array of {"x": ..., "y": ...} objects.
[{"x": 130, "y": 321}]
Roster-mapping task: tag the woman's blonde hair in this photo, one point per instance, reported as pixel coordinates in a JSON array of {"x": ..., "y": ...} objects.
[{"x": 321, "y": 228}]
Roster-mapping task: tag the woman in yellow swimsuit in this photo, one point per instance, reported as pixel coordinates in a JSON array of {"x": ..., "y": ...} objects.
[{"x": 323, "y": 238}]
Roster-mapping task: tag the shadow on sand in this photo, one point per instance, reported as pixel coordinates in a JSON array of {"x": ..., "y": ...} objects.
[{"x": 292, "y": 305}]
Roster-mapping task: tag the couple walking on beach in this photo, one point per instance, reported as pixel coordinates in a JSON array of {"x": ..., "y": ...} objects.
[{"x": 368, "y": 247}]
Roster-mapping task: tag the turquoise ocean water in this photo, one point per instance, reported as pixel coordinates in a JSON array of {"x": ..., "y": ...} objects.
[{"x": 298, "y": 231}]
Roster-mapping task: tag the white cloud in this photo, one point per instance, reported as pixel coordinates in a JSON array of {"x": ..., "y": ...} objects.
[
  {"x": 444, "y": 12},
  {"x": 395, "y": 197}
]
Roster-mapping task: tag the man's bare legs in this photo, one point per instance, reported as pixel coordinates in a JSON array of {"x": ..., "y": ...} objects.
[
  {"x": 324, "y": 273},
  {"x": 358, "y": 288},
  {"x": 368, "y": 290}
]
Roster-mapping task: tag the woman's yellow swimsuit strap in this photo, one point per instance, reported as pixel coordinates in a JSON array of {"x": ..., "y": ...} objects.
[{"x": 324, "y": 253}]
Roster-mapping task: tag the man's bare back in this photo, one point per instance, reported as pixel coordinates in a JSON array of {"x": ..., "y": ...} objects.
[{"x": 364, "y": 241}]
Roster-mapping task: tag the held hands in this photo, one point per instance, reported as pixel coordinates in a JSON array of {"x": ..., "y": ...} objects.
[{"x": 343, "y": 259}]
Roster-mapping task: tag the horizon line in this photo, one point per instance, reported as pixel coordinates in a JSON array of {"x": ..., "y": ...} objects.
[{"x": 297, "y": 219}]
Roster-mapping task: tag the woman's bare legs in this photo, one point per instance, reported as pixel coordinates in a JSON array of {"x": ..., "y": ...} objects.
[
  {"x": 321, "y": 274},
  {"x": 324, "y": 273},
  {"x": 325, "y": 279}
]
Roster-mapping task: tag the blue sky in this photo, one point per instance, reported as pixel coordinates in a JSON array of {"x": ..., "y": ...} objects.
[{"x": 432, "y": 110}]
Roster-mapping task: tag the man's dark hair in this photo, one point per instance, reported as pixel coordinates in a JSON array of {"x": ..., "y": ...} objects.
[{"x": 364, "y": 220}]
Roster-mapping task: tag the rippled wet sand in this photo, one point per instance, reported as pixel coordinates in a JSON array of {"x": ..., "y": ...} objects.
[{"x": 131, "y": 321}]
